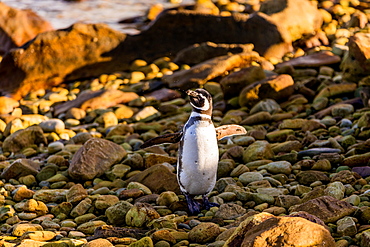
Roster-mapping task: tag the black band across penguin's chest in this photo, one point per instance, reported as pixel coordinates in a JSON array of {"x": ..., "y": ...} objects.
[{"x": 193, "y": 120}]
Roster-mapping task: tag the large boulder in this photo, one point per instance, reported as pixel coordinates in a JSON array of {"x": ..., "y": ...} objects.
[
  {"x": 271, "y": 31},
  {"x": 19, "y": 26},
  {"x": 267, "y": 230},
  {"x": 82, "y": 50},
  {"x": 188, "y": 27},
  {"x": 294, "y": 18}
]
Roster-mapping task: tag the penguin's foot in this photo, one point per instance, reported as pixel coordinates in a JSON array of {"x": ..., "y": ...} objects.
[
  {"x": 207, "y": 204},
  {"x": 193, "y": 206}
]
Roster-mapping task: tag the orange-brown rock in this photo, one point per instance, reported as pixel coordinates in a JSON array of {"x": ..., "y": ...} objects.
[
  {"x": 19, "y": 26},
  {"x": 294, "y": 18},
  {"x": 152, "y": 159},
  {"x": 96, "y": 99},
  {"x": 82, "y": 50},
  {"x": 109, "y": 98},
  {"x": 356, "y": 63},
  {"x": 203, "y": 72},
  {"x": 267, "y": 230},
  {"x": 275, "y": 87},
  {"x": 7, "y": 105}
]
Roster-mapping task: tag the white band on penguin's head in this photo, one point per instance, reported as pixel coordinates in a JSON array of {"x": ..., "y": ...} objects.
[{"x": 205, "y": 107}]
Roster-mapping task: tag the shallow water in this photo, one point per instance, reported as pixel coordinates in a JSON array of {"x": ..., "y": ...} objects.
[{"x": 62, "y": 14}]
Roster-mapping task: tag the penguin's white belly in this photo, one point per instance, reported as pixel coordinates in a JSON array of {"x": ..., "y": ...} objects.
[{"x": 199, "y": 160}]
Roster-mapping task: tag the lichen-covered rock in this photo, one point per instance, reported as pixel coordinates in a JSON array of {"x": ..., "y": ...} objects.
[
  {"x": 89, "y": 227},
  {"x": 140, "y": 215},
  {"x": 204, "y": 232},
  {"x": 230, "y": 211},
  {"x": 116, "y": 214}
]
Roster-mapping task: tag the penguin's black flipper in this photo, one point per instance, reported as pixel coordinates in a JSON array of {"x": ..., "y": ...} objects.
[
  {"x": 167, "y": 138},
  {"x": 229, "y": 130}
]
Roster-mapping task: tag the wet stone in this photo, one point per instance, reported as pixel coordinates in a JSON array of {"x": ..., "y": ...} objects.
[
  {"x": 316, "y": 151},
  {"x": 346, "y": 226}
]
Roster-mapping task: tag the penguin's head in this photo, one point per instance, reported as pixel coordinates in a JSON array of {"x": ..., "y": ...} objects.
[{"x": 200, "y": 100}]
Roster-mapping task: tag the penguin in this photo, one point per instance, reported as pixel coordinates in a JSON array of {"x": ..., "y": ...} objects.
[{"x": 198, "y": 153}]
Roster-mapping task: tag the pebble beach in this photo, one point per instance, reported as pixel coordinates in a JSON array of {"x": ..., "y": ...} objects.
[{"x": 73, "y": 173}]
